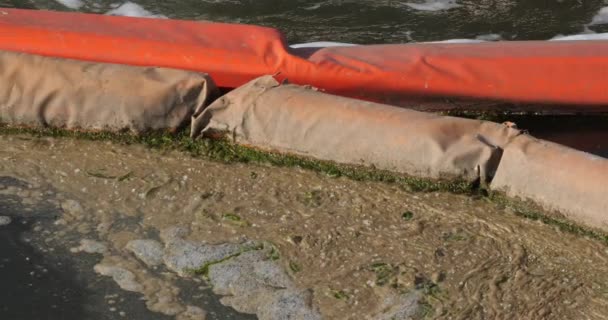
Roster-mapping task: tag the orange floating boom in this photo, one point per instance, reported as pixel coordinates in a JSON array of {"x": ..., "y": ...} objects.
[{"x": 560, "y": 72}]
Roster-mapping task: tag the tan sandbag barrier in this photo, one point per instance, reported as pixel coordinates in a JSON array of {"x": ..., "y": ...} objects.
[
  {"x": 299, "y": 120},
  {"x": 302, "y": 121},
  {"x": 41, "y": 91},
  {"x": 560, "y": 179}
]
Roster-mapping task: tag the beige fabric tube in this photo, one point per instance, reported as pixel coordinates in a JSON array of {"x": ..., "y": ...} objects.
[
  {"x": 561, "y": 179},
  {"x": 43, "y": 91},
  {"x": 302, "y": 121}
]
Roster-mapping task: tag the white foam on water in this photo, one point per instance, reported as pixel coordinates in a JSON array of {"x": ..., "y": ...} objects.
[
  {"x": 478, "y": 39},
  {"x": 489, "y": 37},
  {"x": 321, "y": 44},
  {"x": 72, "y": 4},
  {"x": 600, "y": 18},
  {"x": 582, "y": 36},
  {"x": 433, "y": 5},
  {"x": 587, "y": 35},
  {"x": 314, "y": 6},
  {"x": 457, "y": 41},
  {"x": 130, "y": 9},
  {"x": 325, "y": 44}
]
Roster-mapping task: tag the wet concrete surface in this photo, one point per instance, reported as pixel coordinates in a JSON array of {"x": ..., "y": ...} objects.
[
  {"x": 37, "y": 286},
  {"x": 39, "y": 280},
  {"x": 33, "y": 287},
  {"x": 341, "y": 240}
]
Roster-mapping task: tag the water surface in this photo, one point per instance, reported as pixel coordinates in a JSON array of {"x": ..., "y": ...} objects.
[{"x": 367, "y": 21}]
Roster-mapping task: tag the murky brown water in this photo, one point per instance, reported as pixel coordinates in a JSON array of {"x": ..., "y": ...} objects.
[{"x": 354, "y": 244}]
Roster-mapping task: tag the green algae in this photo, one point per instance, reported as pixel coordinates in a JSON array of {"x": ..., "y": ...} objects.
[
  {"x": 227, "y": 152},
  {"x": 530, "y": 210},
  {"x": 407, "y": 216},
  {"x": 203, "y": 270},
  {"x": 235, "y": 220},
  {"x": 294, "y": 266},
  {"x": 221, "y": 150}
]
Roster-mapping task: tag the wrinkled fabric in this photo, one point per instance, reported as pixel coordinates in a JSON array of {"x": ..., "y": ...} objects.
[
  {"x": 548, "y": 74},
  {"x": 558, "y": 178},
  {"x": 300, "y": 120},
  {"x": 43, "y": 91}
]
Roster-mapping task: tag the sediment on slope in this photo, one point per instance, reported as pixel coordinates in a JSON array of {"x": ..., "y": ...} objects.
[{"x": 361, "y": 248}]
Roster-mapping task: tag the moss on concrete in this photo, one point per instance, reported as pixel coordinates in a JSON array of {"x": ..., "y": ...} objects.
[
  {"x": 203, "y": 270},
  {"x": 532, "y": 211},
  {"x": 224, "y": 151}
]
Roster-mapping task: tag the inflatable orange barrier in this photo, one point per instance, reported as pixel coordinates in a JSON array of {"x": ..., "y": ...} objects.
[
  {"x": 561, "y": 72},
  {"x": 567, "y": 72},
  {"x": 231, "y": 54}
]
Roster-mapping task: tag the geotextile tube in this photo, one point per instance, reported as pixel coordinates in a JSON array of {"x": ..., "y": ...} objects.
[
  {"x": 554, "y": 74},
  {"x": 560, "y": 179},
  {"x": 302, "y": 121},
  {"x": 43, "y": 91}
]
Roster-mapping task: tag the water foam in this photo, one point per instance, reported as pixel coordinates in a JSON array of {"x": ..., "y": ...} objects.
[
  {"x": 457, "y": 41},
  {"x": 433, "y": 5},
  {"x": 130, "y": 9},
  {"x": 600, "y": 18},
  {"x": 321, "y": 44},
  {"x": 582, "y": 36},
  {"x": 72, "y": 4}
]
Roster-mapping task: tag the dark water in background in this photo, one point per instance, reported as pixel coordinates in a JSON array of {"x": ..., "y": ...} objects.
[
  {"x": 586, "y": 133},
  {"x": 370, "y": 21}
]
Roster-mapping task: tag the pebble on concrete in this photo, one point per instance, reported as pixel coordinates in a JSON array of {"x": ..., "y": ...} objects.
[
  {"x": 4, "y": 220},
  {"x": 90, "y": 246},
  {"x": 148, "y": 251},
  {"x": 124, "y": 278}
]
